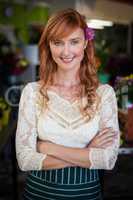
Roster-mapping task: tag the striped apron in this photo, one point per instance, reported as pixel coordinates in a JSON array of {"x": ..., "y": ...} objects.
[{"x": 62, "y": 184}]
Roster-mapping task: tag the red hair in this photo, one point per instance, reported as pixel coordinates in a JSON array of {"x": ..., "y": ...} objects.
[{"x": 58, "y": 26}]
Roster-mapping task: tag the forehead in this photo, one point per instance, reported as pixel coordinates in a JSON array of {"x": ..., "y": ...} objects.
[{"x": 76, "y": 33}]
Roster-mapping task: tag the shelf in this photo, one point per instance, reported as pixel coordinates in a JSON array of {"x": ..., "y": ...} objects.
[{"x": 126, "y": 150}]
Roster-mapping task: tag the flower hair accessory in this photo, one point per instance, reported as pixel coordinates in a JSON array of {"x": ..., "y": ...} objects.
[{"x": 89, "y": 33}]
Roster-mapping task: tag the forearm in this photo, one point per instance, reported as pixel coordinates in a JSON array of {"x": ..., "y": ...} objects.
[
  {"x": 51, "y": 162},
  {"x": 77, "y": 156}
]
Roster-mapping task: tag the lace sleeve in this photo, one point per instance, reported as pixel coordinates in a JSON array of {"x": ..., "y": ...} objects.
[
  {"x": 106, "y": 158},
  {"x": 26, "y": 134}
]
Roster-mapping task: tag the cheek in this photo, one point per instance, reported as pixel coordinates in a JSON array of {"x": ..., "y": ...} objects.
[
  {"x": 55, "y": 53},
  {"x": 79, "y": 49},
  {"x": 79, "y": 52}
]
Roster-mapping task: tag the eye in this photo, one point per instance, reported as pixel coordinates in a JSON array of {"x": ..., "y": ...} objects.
[
  {"x": 57, "y": 43},
  {"x": 73, "y": 42}
]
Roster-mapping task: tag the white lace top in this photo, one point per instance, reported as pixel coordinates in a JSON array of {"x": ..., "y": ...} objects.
[{"x": 63, "y": 124}]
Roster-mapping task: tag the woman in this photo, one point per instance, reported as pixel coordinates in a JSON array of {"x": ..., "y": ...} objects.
[{"x": 67, "y": 124}]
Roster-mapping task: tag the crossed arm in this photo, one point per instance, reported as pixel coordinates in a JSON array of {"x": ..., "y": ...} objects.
[
  {"x": 100, "y": 153},
  {"x": 59, "y": 156}
]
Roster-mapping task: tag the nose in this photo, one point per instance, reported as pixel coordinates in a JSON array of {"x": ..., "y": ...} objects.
[{"x": 66, "y": 49}]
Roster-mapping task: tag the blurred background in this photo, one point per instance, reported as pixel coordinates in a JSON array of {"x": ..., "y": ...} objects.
[{"x": 21, "y": 24}]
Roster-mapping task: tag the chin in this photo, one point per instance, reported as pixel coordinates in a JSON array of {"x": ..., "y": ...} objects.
[{"x": 67, "y": 66}]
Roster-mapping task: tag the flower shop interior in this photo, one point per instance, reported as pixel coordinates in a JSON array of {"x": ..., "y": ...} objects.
[{"x": 21, "y": 24}]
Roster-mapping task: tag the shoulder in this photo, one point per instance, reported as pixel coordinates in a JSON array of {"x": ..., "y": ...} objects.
[
  {"x": 105, "y": 89},
  {"x": 31, "y": 87},
  {"x": 106, "y": 92},
  {"x": 30, "y": 90}
]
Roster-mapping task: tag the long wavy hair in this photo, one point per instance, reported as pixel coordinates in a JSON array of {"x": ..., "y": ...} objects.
[{"x": 58, "y": 26}]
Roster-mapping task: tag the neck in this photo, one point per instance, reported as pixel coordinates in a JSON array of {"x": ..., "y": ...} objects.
[{"x": 66, "y": 79}]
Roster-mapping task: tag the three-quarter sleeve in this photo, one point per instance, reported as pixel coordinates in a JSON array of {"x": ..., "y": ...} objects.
[
  {"x": 105, "y": 158},
  {"x": 26, "y": 133}
]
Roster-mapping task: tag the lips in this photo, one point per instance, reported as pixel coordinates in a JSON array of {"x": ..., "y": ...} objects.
[{"x": 67, "y": 60}]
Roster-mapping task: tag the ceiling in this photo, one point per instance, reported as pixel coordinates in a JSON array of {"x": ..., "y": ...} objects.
[
  {"x": 118, "y": 11},
  {"x": 130, "y": 2},
  {"x": 115, "y": 10}
]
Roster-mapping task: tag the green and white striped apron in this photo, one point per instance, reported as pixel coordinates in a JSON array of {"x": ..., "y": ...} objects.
[{"x": 62, "y": 184}]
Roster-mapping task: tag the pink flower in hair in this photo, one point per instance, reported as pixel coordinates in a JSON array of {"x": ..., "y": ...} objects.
[{"x": 89, "y": 33}]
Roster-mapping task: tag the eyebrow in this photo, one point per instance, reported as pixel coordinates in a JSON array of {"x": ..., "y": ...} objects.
[{"x": 76, "y": 38}]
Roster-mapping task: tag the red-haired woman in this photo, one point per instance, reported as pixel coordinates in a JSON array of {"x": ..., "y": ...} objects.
[{"x": 67, "y": 124}]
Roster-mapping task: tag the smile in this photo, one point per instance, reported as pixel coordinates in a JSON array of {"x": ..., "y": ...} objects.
[{"x": 67, "y": 60}]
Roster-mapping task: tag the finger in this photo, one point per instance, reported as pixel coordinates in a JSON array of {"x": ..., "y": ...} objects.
[
  {"x": 106, "y": 141},
  {"x": 106, "y": 136},
  {"x": 106, "y": 130},
  {"x": 101, "y": 140},
  {"x": 105, "y": 145}
]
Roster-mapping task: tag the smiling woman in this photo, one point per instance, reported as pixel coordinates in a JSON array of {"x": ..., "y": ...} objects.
[
  {"x": 67, "y": 126},
  {"x": 69, "y": 51}
]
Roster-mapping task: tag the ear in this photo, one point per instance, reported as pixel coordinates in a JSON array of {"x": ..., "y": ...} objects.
[{"x": 85, "y": 44}]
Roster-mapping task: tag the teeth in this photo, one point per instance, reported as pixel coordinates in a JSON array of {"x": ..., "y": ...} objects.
[{"x": 67, "y": 59}]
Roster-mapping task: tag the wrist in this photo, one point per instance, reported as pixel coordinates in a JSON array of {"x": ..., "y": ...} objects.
[
  {"x": 51, "y": 149},
  {"x": 43, "y": 147}
]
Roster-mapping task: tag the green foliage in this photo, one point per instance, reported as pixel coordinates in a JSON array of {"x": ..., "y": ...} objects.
[{"x": 21, "y": 16}]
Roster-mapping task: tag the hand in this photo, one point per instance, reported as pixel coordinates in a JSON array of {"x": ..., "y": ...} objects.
[{"x": 103, "y": 139}]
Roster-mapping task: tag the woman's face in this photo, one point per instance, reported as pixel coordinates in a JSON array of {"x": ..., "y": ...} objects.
[{"x": 68, "y": 52}]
